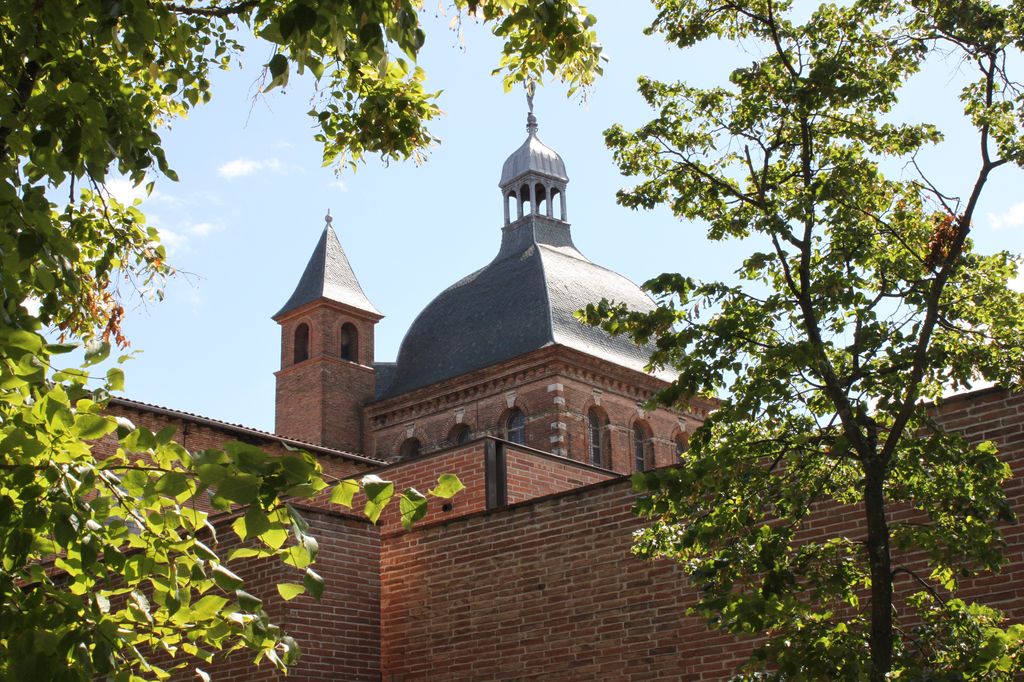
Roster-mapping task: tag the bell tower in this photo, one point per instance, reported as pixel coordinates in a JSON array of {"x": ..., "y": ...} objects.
[
  {"x": 326, "y": 373},
  {"x": 533, "y": 180}
]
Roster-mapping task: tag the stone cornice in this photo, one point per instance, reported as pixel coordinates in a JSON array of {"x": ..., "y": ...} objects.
[{"x": 553, "y": 360}]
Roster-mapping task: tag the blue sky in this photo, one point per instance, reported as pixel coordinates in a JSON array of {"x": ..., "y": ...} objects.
[{"x": 249, "y": 207}]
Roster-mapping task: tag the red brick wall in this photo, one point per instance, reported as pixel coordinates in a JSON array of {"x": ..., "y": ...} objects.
[
  {"x": 548, "y": 590},
  {"x": 555, "y": 397},
  {"x": 339, "y": 636},
  {"x": 320, "y": 400},
  {"x": 466, "y": 462},
  {"x": 994, "y": 415},
  {"x": 530, "y": 475}
]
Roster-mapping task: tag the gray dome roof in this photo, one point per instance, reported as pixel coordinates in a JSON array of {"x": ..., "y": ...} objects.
[
  {"x": 533, "y": 156},
  {"x": 522, "y": 301}
]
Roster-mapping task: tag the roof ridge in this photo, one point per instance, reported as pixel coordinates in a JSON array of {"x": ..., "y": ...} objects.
[{"x": 220, "y": 423}]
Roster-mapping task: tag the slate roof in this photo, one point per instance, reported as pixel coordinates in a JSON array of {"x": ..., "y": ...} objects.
[
  {"x": 328, "y": 275},
  {"x": 522, "y": 301}
]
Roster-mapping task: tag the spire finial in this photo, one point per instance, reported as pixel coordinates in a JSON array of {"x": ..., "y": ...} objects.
[
  {"x": 531, "y": 120},
  {"x": 327, "y": 218}
]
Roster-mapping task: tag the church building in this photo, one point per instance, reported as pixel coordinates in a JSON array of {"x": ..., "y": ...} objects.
[
  {"x": 527, "y": 573},
  {"x": 499, "y": 353}
]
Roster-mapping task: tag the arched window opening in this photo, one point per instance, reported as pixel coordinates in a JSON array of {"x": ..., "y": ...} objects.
[
  {"x": 682, "y": 443},
  {"x": 643, "y": 449},
  {"x": 557, "y": 204},
  {"x": 540, "y": 196},
  {"x": 459, "y": 434},
  {"x": 511, "y": 207},
  {"x": 349, "y": 342},
  {"x": 410, "y": 448},
  {"x": 515, "y": 426},
  {"x": 301, "y": 350},
  {"x": 597, "y": 437},
  {"x": 524, "y": 201}
]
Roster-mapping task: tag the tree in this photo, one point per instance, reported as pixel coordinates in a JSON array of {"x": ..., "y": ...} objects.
[
  {"x": 862, "y": 299},
  {"x": 108, "y": 561}
]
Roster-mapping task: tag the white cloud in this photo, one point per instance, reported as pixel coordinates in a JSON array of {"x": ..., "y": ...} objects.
[
  {"x": 172, "y": 240},
  {"x": 339, "y": 184},
  {"x": 203, "y": 229},
  {"x": 1011, "y": 217},
  {"x": 239, "y": 167},
  {"x": 126, "y": 192},
  {"x": 1017, "y": 283}
]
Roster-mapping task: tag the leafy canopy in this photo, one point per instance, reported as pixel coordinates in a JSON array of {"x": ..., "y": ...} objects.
[
  {"x": 861, "y": 297},
  {"x": 109, "y": 565}
]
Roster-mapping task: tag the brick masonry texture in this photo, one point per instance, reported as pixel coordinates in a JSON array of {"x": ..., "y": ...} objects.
[
  {"x": 554, "y": 388},
  {"x": 545, "y": 587},
  {"x": 548, "y": 590}
]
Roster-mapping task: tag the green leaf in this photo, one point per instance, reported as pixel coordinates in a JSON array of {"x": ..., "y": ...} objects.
[
  {"x": 255, "y": 522},
  {"x": 413, "y": 506},
  {"x": 96, "y": 352},
  {"x": 313, "y": 583},
  {"x": 378, "y": 494},
  {"x": 344, "y": 492},
  {"x": 209, "y": 605},
  {"x": 278, "y": 64},
  {"x": 447, "y": 486},
  {"x": 225, "y": 579},
  {"x": 247, "y": 602},
  {"x": 172, "y": 484},
  {"x": 26, "y": 340},
  {"x": 115, "y": 379},
  {"x": 289, "y": 591},
  {"x": 239, "y": 488},
  {"x": 93, "y": 426}
]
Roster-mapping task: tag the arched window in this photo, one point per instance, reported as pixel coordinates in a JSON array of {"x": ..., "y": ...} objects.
[
  {"x": 597, "y": 437},
  {"x": 643, "y": 450},
  {"x": 349, "y": 342},
  {"x": 459, "y": 434},
  {"x": 681, "y": 444},
  {"x": 515, "y": 426},
  {"x": 301, "y": 351},
  {"x": 410, "y": 448}
]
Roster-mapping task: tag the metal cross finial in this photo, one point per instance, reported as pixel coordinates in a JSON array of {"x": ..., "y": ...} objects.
[
  {"x": 327, "y": 218},
  {"x": 531, "y": 120}
]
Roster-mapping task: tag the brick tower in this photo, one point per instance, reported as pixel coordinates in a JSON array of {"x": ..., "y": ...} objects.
[{"x": 326, "y": 373}]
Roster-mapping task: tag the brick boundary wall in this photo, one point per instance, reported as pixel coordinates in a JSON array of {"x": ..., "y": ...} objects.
[
  {"x": 339, "y": 636},
  {"x": 531, "y": 475},
  {"x": 543, "y": 590},
  {"x": 547, "y": 589}
]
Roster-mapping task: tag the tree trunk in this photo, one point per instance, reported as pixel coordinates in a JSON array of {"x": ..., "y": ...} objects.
[{"x": 881, "y": 642}]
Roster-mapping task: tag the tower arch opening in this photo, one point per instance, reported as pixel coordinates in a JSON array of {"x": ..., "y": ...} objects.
[
  {"x": 349, "y": 349},
  {"x": 300, "y": 350}
]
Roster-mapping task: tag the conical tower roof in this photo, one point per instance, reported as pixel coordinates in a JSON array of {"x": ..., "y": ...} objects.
[{"x": 328, "y": 275}]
